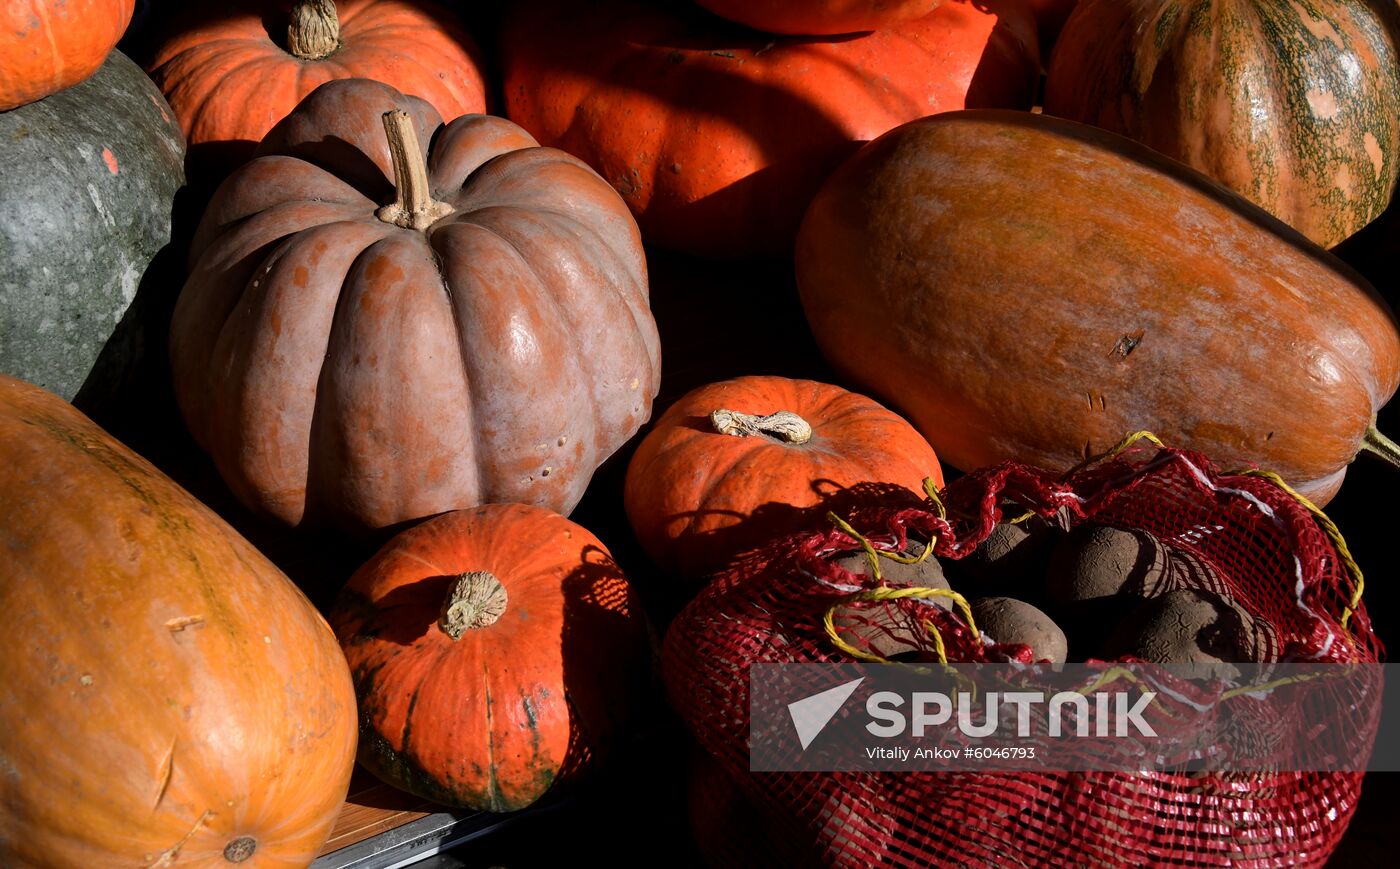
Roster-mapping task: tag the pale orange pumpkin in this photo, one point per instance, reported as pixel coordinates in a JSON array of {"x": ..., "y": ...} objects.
[{"x": 734, "y": 464}]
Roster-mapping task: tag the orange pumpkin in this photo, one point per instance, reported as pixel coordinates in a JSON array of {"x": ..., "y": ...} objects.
[
  {"x": 350, "y": 352},
  {"x": 48, "y": 45},
  {"x": 718, "y": 136},
  {"x": 818, "y": 17},
  {"x": 231, "y": 74},
  {"x": 495, "y": 651},
  {"x": 735, "y": 464},
  {"x": 167, "y": 696}
]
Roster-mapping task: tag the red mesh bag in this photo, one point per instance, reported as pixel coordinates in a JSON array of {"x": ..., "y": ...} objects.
[{"x": 1278, "y": 560}]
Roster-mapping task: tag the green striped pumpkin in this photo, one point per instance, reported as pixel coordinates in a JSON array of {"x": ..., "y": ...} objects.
[{"x": 1294, "y": 104}]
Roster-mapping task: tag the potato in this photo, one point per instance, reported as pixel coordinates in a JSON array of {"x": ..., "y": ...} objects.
[
  {"x": 925, "y": 574},
  {"x": 891, "y": 631},
  {"x": 1188, "y": 626},
  {"x": 1010, "y": 560},
  {"x": 1008, "y": 620}
]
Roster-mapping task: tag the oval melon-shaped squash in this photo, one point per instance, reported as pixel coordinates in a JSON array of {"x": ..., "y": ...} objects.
[
  {"x": 1294, "y": 105},
  {"x": 167, "y": 696},
  {"x": 1039, "y": 314}
]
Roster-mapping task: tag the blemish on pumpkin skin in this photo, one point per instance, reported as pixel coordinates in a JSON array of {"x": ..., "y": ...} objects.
[
  {"x": 111, "y": 160},
  {"x": 1323, "y": 104},
  {"x": 1373, "y": 150}
]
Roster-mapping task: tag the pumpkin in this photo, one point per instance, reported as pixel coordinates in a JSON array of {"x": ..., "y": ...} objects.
[
  {"x": 483, "y": 336},
  {"x": 735, "y": 464},
  {"x": 167, "y": 695},
  {"x": 717, "y": 136},
  {"x": 495, "y": 652},
  {"x": 49, "y": 45},
  {"x": 1294, "y": 105},
  {"x": 820, "y": 17},
  {"x": 1040, "y": 314},
  {"x": 88, "y": 179},
  {"x": 231, "y": 75}
]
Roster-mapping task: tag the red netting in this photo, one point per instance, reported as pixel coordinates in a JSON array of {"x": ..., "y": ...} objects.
[{"x": 1272, "y": 557}]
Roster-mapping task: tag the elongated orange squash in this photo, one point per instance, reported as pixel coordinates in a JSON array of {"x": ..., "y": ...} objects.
[
  {"x": 167, "y": 696},
  {"x": 1023, "y": 287}
]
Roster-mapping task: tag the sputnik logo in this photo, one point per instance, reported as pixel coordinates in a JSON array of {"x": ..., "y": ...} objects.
[{"x": 811, "y": 715}]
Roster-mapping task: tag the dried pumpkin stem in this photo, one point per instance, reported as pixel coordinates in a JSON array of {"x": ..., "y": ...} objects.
[
  {"x": 784, "y": 425},
  {"x": 475, "y": 600},
  {"x": 1381, "y": 446},
  {"x": 415, "y": 207},
  {"x": 313, "y": 32}
]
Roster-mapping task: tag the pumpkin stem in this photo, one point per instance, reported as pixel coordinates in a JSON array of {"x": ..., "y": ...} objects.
[
  {"x": 475, "y": 600},
  {"x": 784, "y": 425},
  {"x": 1381, "y": 446},
  {"x": 415, "y": 207},
  {"x": 314, "y": 29}
]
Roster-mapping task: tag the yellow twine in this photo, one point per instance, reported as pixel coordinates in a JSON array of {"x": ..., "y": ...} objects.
[
  {"x": 892, "y": 594},
  {"x": 932, "y": 492}
]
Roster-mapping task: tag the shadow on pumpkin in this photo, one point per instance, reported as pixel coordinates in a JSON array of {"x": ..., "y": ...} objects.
[
  {"x": 608, "y": 679},
  {"x": 682, "y": 57}
]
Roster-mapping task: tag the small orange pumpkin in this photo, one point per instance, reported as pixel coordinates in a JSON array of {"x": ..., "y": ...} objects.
[
  {"x": 495, "y": 651},
  {"x": 735, "y": 464},
  {"x": 49, "y": 45},
  {"x": 231, "y": 74}
]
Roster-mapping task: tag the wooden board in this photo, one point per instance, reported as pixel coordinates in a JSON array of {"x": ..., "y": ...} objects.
[{"x": 371, "y": 808}]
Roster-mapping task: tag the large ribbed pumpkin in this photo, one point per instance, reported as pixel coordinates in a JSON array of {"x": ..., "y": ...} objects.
[
  {"x": 1028, "y": 288},
  {"x": 49, "y": 45},
  {"x": 230, "y": 74},
  {"x": 167, "y": 696},
  {"x": 1294, "y": 105},
  {"x": 717, "y": 136},
  {"x": 819, "y": 17},
  {"x": 733, "y": 465},
  {"x": 496, "y": 653},
  {"x": 483, "y": 336}
]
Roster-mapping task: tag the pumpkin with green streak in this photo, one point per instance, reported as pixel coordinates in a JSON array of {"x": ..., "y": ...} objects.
[{"x": 1295, "y": 105}]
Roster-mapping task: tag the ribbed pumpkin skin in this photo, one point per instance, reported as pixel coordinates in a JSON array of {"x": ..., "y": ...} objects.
[
  {"x": 342, "y": 369},
  {"x": 819, "y": 17},
  {"x": 164, "y": 690},
  {"x": 717, "y": 136},
  {"x": 1294, "y": 105},
  {"x": 493, "y": 719},
  {"x": 696, "y": 497},
  {"x": 229, "y": 78},
  {"x": 1032, "y": 289},
  {"x": 49, "y": 45}
]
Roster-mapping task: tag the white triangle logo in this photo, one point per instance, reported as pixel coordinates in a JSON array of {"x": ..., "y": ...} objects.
[{"x": 811, "y": 715}]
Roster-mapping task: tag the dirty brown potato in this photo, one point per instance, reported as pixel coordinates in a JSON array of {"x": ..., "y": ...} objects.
[
  {"x": 1008, "y": 620},
  {"x": 1010, "y": 561},
  {"x": 1188, "y": 626},
  {"x": 890, "y": 631},
  {"x": 1095, "y": 577}
]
